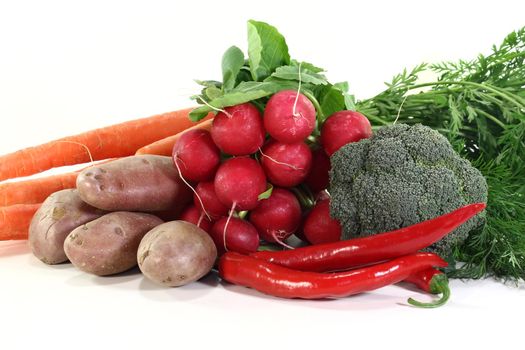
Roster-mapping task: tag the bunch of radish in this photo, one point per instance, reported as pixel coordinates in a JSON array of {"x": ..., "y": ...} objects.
[{"x": 248, "y": 155}]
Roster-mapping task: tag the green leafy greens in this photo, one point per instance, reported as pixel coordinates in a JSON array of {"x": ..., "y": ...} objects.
[{"x": 267, "y": 70}]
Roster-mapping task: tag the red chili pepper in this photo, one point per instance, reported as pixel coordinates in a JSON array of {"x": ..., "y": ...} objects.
[
  {"x": 433, "y": 281},
  {"x": 283, "y": 282},
  {"x": 344, "y": 255}
]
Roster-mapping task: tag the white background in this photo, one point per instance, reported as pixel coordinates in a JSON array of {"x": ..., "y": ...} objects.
[{"x": 70, "y": 66}]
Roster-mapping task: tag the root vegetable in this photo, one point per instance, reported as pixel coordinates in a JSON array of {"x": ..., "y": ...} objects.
[
  {"x": 277, "y": 217},
  {"x": 176, "y": 253},
  {"x": 239, "y": 182},
  {"x": 289, "y": 116},
  {"x": 239, "y": 236},
  {"x": 286, "y": 164},
  {"x": 238, "y": 130}
]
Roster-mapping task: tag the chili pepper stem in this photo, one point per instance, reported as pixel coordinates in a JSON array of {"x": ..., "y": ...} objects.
[{"x": 438, "y": 285}]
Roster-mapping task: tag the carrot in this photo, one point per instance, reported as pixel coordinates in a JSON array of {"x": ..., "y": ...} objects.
[
  {"x": 37, "y": 190},
  {"x": 15, "y": 220},
  {"x": 164, "y": 147},
  {"x": 113, "y": 141}
]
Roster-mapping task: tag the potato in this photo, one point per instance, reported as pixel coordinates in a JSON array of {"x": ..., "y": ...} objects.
[
  {"x": 136, "y": 183},
  {"x": 109, "y": 244},
  {"x": 59, "y": 214},
  {"x": 176, "y": 253}
]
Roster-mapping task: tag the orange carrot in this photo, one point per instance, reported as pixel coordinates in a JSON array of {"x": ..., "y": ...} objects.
[
  {"x": 37, "y": 190},
  {"x": 113, "y": 141},
  {"x": 15, "y": 220},
  {"x": 164, "y": 147}
]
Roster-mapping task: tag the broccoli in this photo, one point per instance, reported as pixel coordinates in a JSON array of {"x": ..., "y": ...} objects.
[{"x": 401, "y": 176}]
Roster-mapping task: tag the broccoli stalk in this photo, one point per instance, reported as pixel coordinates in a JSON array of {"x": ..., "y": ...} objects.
[{"x": 401, "y": 176}]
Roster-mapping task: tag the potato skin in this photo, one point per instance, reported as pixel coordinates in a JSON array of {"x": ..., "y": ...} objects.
[
  {"x": 109, "y": 244},
  {"x": 60, "y": 213},
  {"x": 176, "y": 253},
  {"x": 135, "y": 183}
]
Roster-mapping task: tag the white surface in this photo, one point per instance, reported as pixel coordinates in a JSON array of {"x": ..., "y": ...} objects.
[{"x": 66, "y": 67}]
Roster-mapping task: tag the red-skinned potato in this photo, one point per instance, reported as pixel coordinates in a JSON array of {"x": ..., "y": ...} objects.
[
  {"x": 176, "y": 253},
  {"x": 109, "y": 244},
  {"x": 137, "y": 183},
  {"x": 61, "y": 213}
]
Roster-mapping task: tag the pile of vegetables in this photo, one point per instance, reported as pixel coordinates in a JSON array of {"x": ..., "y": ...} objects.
[
  {"x": 377, "y": 192},
  {"x": 478, "y": 105}
]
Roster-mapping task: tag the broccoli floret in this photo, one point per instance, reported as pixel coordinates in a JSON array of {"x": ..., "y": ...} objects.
[{"x": 401, "y": 176}]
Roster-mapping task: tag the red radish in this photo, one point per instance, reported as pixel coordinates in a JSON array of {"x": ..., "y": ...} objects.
[
  {"x": 237, "y": 235},
  {"x": 196, "y": 156},
  {"x": 239, "y": 182},
  {"x": 319, "y": 227},
  {"x": 195, "y": 216},
  {"x": 286, "y": 164},
  {"x": 289, "y": 116},
  {"x": 239, "y": 130},
  {"x": 299, "y": 233},
  {"x": 205, "y": 196},
  {"x": 342, "y": 128},
  {"x": 277, "y": 217},
  {"x": 319, "y": 176}
]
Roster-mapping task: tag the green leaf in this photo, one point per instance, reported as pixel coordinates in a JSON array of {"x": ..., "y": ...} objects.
[
  {"x": 349, "y": 99},
  {"x": 349, "y": 102},
  {"x": 343, "y": 86},
  {"x": 267, "y": 49},
  {"x": 212, "y": 92},
  {"x": 331, "y": 100},
  {"x": 211, "y": 89},
  {"x": 244, "y": 92},
  {"x": 244, "y": 75},
  {"x": 232, "y": 62},
  {"x": 307, "y": 66},
  {"x": 266, "y": 194},
  {"x": 292, "y": 73},
  {"x": 199, "y": 113},
  {"x": 209, "y": 83}
]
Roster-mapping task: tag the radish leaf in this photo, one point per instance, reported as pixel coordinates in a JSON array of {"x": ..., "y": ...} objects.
[
  {"x": 331, "y": 100},
  {"x": 267, "y": 49},
  {"x": 307, "y": 76},
  {"x": 245, "y": 92},
  {"x": 266, "y": 194},
  {"x": 349, "y": 99},
  {"x": 232, "y": 62}
]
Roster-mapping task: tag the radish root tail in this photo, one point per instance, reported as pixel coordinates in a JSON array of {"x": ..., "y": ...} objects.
[
  {"x": 232, "y": 210},
  {"x": 294, "y": 110},
  {"x": 176, "y": 159},
  {"x": 279, "y": 238},
  {"x": 215, "y": 108},
  {"x": 280, "y": 163},
  {"x": 201, "y": 217}
]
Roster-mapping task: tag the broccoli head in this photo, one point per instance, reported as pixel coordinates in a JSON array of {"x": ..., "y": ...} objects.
[{"x": 401, "y": 176}]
